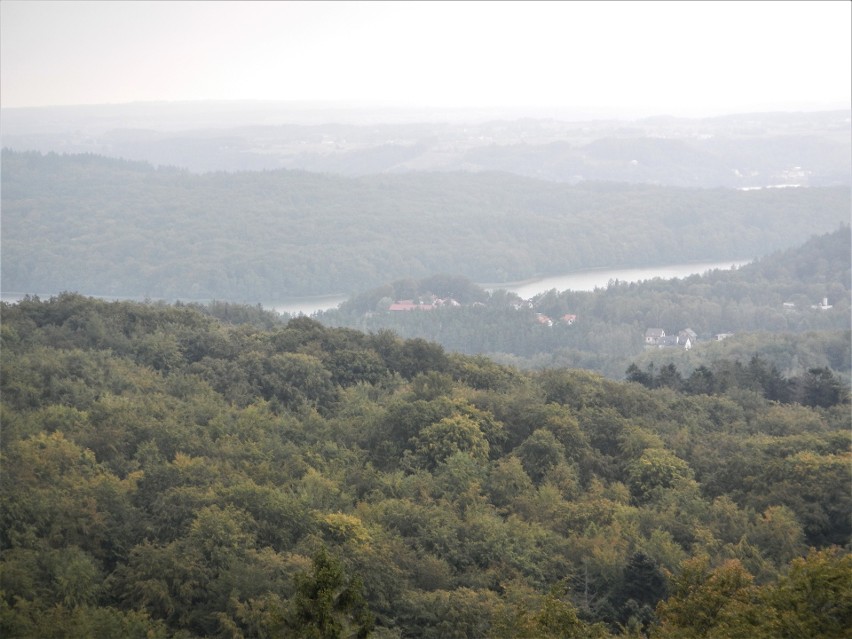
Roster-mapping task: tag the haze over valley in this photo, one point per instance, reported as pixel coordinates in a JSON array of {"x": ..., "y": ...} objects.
[
  {"x": 737, "y": 151},
  {"x": 577, "y": 356}
]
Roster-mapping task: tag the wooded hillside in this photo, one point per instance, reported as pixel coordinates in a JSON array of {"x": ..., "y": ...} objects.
[
  {"x": 772, "y": 306},
  {"x": 169, "y": 475},
  {"x": 114, "y": 228}
]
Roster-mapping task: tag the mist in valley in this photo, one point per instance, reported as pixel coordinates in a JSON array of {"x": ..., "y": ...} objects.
[{"x": 425, "y": 320}]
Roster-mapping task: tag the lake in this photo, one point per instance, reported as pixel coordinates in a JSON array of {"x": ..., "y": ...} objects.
[
  {"x": 587, "y": 280},
  {"x": 591, "y": 279},
  {"x": 307, "y": 305}
]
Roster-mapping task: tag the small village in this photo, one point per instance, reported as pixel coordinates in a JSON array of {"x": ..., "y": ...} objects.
[
  {"x": 654, "y": 337},
  {"x": 420, "y": 305},
  {"x": 432, "y": 302},
  {"x": 685, "y": 339}
]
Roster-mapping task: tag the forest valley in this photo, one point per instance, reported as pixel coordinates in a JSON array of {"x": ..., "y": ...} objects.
[
  {"x": 174, "y": 471},
  {"x": 767, "y": 305}
]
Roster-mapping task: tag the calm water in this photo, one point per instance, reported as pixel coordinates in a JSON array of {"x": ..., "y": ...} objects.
[
  {"x": 307, "y": 305},
  {"x": 577, "y": 281},
  {"x": 600, "y": 278}
]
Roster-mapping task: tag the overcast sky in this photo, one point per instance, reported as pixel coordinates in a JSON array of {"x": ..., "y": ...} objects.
[{"x": 676, "y": 57}]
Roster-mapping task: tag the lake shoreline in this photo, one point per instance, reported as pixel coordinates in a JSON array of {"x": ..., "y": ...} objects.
[
  {"x": 580, "y": 280},
  {"x": 599, "y": 278},
  {"x": 494, "y": 286}
]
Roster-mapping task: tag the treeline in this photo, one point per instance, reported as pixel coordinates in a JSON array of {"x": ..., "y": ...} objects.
[
  {"x": 166, "y": 474},
  {"x": 817, "y": 387},
  {"x": 108, "y": 227},
  {"x": 773, "y": 296}
]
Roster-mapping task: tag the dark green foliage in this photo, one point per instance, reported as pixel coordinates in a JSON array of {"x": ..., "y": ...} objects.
[
  {"x": 819, "y": 387},
  {"x": 165, "y": 474},
  {"x": 419, "y": 356},
  {"x": 327, "y": 605},
  {"x": 540, "y": 452},
  {"x": 643, "y": 586},
  {"x": 644, "y": 582}
]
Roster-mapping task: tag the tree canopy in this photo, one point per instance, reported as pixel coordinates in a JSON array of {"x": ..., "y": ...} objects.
[{"x": 168, "y": 474}]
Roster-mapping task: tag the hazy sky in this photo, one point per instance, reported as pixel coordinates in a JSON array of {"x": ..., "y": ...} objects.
[{"x": 679, "y": 57}]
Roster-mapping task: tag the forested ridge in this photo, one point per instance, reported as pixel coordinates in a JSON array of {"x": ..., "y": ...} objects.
[
  {"x": 109, "y": 227},
  {"x": 168, "y": 474}
]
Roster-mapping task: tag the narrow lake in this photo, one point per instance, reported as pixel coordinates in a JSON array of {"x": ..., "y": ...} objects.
[
  {"x": 599, "y": 278},
  {"x": 578, "y": 281}
]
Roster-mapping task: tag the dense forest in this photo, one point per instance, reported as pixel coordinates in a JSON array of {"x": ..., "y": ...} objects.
[
  {"x": 768, "y": 305},
  {"x": 108, "y": 227},
  {"x": 170, "y": 474}
]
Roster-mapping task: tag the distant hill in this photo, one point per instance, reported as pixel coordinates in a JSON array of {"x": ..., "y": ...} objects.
[
  {"x": 736, "y": 151},
  {"x": 110, "y": 227}
]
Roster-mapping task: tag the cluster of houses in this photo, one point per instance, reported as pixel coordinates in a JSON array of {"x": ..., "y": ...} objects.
[
  {"x": 822, "y": 306},
  {"x": 432, "y": 302},
  {"x": 654, "y": 337},
  {"x": 685, "y": 339},
  {"x": 568, "y": 319},
  {"x": 419, "y": 305},
  {"x": 657, "y": 338}
]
